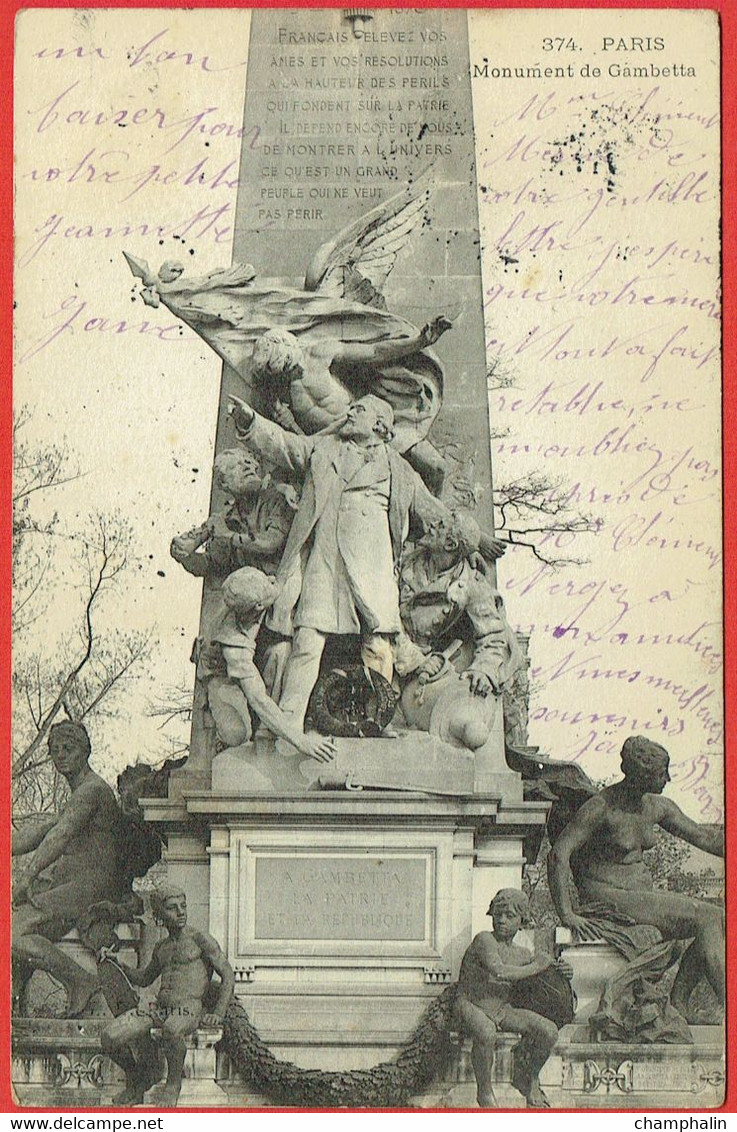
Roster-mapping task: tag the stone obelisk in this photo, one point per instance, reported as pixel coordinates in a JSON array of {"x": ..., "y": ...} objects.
[
  {"x": 350, "y": 110},
  {"x": 343, "y": 911}
]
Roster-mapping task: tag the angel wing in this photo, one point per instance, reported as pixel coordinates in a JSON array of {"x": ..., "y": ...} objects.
[{"x": 356, "y": 263}]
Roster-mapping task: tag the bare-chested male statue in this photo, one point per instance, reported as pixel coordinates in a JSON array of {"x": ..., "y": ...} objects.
[{"x": 184, "y": 961}]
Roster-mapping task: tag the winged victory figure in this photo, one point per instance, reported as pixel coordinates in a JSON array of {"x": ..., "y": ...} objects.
[{"x": 310, "y": 353}]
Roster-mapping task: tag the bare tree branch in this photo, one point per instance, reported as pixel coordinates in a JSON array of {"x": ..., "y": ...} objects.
[
  {"x": 500, "y": 374},
  {"x": 117, "y": 675},
  {"x": 84, "y": 672},
  {"x": 538, "y": 505},
  {"x": 97, "y": 580},
  {"x": 555, "y": 562}
]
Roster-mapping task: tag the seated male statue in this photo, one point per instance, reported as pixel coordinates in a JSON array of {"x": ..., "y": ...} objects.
[
  {"x": 496, "y": 977},
  {"x": 73, "y": 862},
  {"x": 184, "y": 961}
]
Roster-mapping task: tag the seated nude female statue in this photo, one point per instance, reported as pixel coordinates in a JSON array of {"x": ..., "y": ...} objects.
[{"x": 602, "y": 849}]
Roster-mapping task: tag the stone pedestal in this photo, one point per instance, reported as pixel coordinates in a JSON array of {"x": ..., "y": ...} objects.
[
  {"x": 199, "y": 1086},
  {"x": 593, "y": 965},
  {"x": 462, "y": 1093},
  {"x": 342, "y": 912},
  {"x": 583, "y": 1073},
  {"x": 58, "y": 1063}
]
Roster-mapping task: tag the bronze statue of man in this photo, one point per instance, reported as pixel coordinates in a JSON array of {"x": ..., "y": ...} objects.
[
  {"x": 73, "y": 863},
  {"x": 184, "y": 962}
]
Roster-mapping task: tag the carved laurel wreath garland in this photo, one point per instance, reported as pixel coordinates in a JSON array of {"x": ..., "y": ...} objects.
[{"x": 387, "y": 1085}]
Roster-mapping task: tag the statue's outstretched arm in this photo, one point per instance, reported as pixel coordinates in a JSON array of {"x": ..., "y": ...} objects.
[
  {"x": 31, "y": 834},
  {"x": 144, "y": 976},
  {"x": 283, "y": 449},
  {"x": 710, "y": 838},
  {"x": 242, "y": 668},
  {"x": 394, "y": 349}
]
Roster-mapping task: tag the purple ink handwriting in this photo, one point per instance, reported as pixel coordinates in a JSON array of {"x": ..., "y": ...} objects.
[
  {"x": 707, "y": 652},
  {"x": 663, "y": 290},
  {"x": 590, "y": 398},
  {"x": 62, "y": 110},
  {"x": 152, "y": 53},
  {"x": 664, "y": 474},
  {"x": 205, "y": 223},
  {"x": 75, "y": 315},
  {"x": 108, "y": 168},
  {"x": 653, "y": 105}
]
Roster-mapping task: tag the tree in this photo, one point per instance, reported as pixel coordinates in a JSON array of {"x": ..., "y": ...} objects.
[
  {"x": 174, "y": 709},
  {"x": 78, "y": 669},
  {"x": 36, "y": 469},
  {"x": 534, "y": 510},
  {"x": 668, "y": 863}
]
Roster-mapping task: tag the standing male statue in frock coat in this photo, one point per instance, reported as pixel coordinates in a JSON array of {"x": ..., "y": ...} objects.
[{"x": 340, "y": 565}]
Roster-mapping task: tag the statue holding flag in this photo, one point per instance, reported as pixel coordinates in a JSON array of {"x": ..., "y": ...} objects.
[{"x": 339, "y": 323}]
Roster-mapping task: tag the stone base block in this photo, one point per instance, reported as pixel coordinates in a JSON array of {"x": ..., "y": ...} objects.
[
  {"x": 585, "y": 1074},
  {"x": 199, "y": 1087},
  {"x": 340, "y": 1028},
  {"x": 462, "y": 1091},
  {"x": 58, "y": 1063},
  {"x": 420, "y": 762}
]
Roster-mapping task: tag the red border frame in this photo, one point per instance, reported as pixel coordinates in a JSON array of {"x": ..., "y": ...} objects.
[{"x": 728, "y": 16}]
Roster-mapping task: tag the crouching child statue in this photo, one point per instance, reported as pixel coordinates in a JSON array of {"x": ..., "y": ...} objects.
[{"x": 234, "y": 683}]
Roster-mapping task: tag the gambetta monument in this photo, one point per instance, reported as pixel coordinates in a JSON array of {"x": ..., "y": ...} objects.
[
  {"x": 350, "y": 612},
  {"x": 357, "y": 789}
]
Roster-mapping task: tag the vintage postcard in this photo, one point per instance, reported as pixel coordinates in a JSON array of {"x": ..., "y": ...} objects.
[{"x": 368, "y": 741}]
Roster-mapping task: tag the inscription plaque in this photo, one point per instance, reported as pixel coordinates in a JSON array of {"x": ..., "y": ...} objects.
[
  {"x": 338, "y": 897},
  {"x": 345, "y": 123}
]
